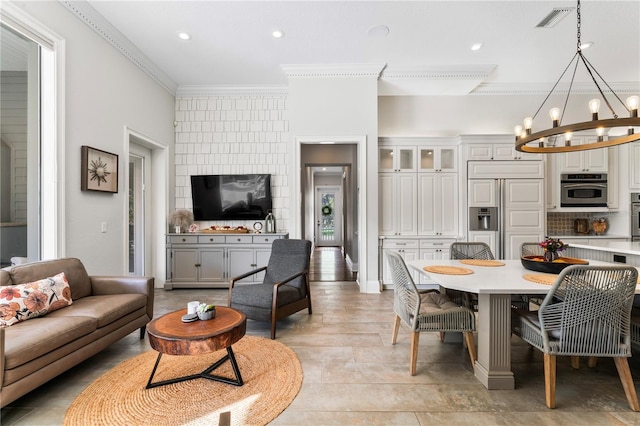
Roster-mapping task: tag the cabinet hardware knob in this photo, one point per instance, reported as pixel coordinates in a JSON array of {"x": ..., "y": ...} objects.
[
  {"x": 184, "y": 239},
  {"x": 239, "y": 239},
  {"x": 210, "y": 239}
]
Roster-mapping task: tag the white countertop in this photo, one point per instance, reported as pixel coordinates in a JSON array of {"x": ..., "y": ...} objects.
[
  {"x": 623, "y": 247},
  {"x": 589, "y": 236},
  {"x": 507, "y": 279}
]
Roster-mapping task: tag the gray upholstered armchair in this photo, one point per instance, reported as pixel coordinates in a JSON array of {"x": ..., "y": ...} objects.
[
  {"x": 285, "y": 288},
  {"x": 587, "y": 312}
]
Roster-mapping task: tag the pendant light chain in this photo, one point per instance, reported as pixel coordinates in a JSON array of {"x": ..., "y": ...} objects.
[{"x": 579, "y": 25}]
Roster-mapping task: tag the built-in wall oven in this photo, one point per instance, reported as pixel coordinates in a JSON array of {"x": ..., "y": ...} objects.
[
  {"x": 635, "y": 217},
  {"x": 583, "y": 190}
]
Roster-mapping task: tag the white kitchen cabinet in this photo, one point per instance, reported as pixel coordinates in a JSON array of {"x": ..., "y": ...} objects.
[
  {"x": 209, "y": 261},
  {"x": 593, "y": 160},
  {"x": 398, "y": 204},
  {"x": 498, "y": 151},
  {"x": 438, "y": 208},
  {"x": 438, "y": 159},
  {"x": 397, "y": 159},
  {"x": 509, "y": 152},
  {"x": 407, "y": 248},
  {"x": 552, "y": 183},
  {"x": 482, "y": 193},
  {"x": 489, "y": 238},
  {"x": 634, "y": 166}
]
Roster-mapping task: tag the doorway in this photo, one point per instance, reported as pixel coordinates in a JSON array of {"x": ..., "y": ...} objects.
[
  {"x": 328, "y": 216},
  {"x": 139, "y": 175}
]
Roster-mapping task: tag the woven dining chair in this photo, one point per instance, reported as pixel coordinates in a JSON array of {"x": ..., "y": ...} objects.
[
  {"x": 482, "y": 251},
  {"x": 587, "y": 312},
  {"x": 426, "y": 311},
  {"x": 531, "y": 249}
]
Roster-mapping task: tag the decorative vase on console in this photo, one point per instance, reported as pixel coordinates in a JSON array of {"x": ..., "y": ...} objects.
[
  {"x": 551, "y": 248},
  {"x": 181, "y": 219}
]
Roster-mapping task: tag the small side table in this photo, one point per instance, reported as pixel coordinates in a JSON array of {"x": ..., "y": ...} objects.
[{"x": 169, "y": 335}]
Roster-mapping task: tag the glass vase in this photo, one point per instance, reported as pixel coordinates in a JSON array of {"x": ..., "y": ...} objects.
[{"x": 550, "y": 256}]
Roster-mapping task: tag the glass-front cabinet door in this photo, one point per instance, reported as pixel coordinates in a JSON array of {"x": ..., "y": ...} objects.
[
  {"x": 396, "y": 159},
  {"x": 438, "y": 159}
]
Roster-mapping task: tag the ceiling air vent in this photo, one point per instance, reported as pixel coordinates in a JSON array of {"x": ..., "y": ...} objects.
[{"x": 555, "y": 16}]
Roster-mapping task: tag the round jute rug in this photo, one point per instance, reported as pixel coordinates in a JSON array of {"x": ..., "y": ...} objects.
[{"x": 271, "y": 372}]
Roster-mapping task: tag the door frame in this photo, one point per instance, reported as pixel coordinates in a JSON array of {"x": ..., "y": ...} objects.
[
  {"x": 296, "y": 196},
  {"x": 155, "y": 257}
]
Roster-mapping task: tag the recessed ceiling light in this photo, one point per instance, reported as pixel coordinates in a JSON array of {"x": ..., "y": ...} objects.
[
  {"x": 587, "y": 44},
  {"x": 476, "y": 46},
  {"x": 183, "y": 36},
  {"x": 378, "y": 31},
  {"x": 277, "y": 33}
]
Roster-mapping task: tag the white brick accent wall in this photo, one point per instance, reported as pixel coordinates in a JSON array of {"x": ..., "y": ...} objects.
[{"x": 233, "y": 135}]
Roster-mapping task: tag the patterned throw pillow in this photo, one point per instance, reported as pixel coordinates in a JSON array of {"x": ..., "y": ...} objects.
[{"x": 26, "y": 301}]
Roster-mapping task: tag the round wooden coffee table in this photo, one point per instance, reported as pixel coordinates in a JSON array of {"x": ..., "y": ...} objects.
[{"x": 169, "y": 335}]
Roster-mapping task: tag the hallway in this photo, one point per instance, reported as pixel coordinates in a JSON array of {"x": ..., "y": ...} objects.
[{"x": 329, "y": 264}]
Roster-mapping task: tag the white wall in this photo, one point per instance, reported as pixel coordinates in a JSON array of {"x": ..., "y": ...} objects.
[
  {"x": 104, "y": 93},
  {"x": 342, "y": 106},
  {"x": 451, "y": 116},
  {"x": 233, "y": 134}
]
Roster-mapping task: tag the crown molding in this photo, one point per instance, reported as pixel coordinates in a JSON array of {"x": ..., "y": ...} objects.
[
  {"x": 94, "y": 20},
  {"x": 621, "y": 88},
  {"x": 447, "y": 72},
  {"x": 205, "y": 91},
  {"x": 332, "y": 70}
]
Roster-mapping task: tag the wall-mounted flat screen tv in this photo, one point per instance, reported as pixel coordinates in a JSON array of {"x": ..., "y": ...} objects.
[{"x": 230, "y": 197}]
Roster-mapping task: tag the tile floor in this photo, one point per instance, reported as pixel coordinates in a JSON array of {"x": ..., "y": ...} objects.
[{"x": 352, "y": 374}]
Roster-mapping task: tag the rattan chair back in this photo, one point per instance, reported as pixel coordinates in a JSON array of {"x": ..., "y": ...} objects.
[{"x": 468, "y": 250}]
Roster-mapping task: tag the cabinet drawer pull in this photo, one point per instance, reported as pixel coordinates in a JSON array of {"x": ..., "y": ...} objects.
[
  {"x": 198, "y": 265},
  {"x": 211, "y": 239},
  {"x": 239, "y": 239},
  {"x": 184, "y": 239},
  {"x": 254, "y": 265}
]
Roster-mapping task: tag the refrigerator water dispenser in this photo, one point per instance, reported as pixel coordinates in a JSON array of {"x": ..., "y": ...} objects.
[{"x": 483, "y": 218}]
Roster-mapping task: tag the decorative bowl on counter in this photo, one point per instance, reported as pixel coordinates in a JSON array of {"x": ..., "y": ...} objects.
[{"x": 538, "y": 264}]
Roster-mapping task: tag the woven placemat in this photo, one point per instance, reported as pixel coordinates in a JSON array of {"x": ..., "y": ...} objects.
[
  {"x": 548, "y": 279},
  {"x": 448, "y": 270},
  {"x": 271, "y": 372},
  {"x": 481, "y": 262}
]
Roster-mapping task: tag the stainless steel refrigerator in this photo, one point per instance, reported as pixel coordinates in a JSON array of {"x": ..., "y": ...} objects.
[{"x": 506, "y": 202}]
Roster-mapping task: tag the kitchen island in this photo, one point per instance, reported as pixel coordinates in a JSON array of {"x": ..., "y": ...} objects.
[{"x": 607, "y": 251}]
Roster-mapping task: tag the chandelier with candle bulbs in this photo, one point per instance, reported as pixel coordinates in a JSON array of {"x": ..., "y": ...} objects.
[{"x": 558, "y": 137}]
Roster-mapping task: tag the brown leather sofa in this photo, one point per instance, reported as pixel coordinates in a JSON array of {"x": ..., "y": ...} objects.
[{"x": 104, "y": 310}]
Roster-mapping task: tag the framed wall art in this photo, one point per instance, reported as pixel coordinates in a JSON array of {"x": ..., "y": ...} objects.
[{"x": 99, "y": 170}]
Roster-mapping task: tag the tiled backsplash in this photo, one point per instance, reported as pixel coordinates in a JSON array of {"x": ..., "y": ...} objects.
[{"x": 562, "y": 223}]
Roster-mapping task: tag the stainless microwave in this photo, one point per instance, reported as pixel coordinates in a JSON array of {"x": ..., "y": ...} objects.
[{"x": 583, "y": 190}]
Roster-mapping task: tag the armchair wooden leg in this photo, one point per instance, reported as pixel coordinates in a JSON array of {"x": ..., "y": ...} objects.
[
  {"x": 575, "y": 362},
  {"x": 143, "y": 330},
  {"x": 471, "y": 346},
  {"x": 550, "y": 380},
  {"x": 622, "y": 364},
  {"x": 273, "y": 330},
  {"x": 441, "y": 335},
  {"x": 592, "y": 361},
  {"x": 415, "y": 340},
  {"x": 396, "y": 326}
]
